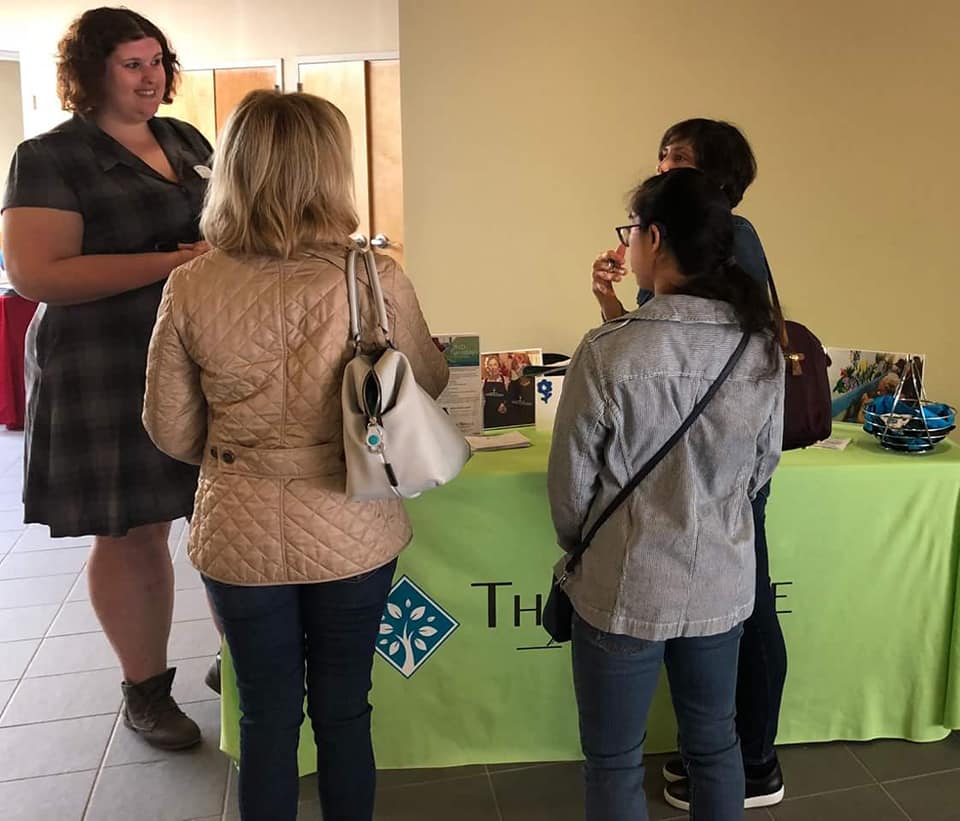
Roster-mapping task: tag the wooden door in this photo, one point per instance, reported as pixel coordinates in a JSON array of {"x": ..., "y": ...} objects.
[
  {"x": 231, "y": 85},
  {"x": 386, "y": 152},
  {"x": 345, "y": 85},
  {"x": 194, "y": 102}
]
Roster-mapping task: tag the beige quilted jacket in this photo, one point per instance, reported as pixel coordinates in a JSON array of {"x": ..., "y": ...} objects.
[{"x": 243, "y": 378}]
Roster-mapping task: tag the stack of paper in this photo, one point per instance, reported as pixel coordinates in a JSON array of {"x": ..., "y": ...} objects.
[{"x": 503, "y": 441}]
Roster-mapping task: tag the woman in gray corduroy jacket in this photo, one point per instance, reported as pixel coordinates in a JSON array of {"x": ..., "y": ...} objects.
[{"x": 670, "y": 577}]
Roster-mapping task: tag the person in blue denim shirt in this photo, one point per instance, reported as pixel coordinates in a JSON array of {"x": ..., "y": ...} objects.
[{"x": 722, "y": 152}]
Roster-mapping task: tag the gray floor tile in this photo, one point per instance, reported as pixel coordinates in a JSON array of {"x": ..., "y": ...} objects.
[
  {"x": 6, "y": 690},
  {"x": 73, "y": 695},
  {"x": 309, "y": 811},
  {"x": 178, "y": 532},
  {"x": 51, "y": 798},
  {"x": 72, "y": 654},
  {"x": 847, "y": 805},
  {"x": 18, "y": 623},
  {"x": 37, "y": 537},
  {"x": 126, "y": 747},
  {"x": 49, "y": 749},
  {"x": 186, "y": 576},
  {"x": 889, "y": 759},
  {"x": 471, "y": 797},
  {"x": 7, "y": 540},
  {"x": 191, "y": 605},
  {"x": 43, "y": 563},
  {"x": 75, "y": 617},
  {"x": 188, "y": 685},
  {"x": 231, "y": 803},
  {"x": 929, "y": 798},
  {"x": 80, "y": 591},
  {"x": 541, "y": 793},
  {"x": 390, "y": 779},
  {"x": 12, "y": 501},
  {"x": 11, "y": 520},
  {"x": 30, "y": 592},
  {"x": 187, "y": 785},
  {"x": 815, "y": 768},
  {"x": 14, "y": 658},
  {"x": 193, "y": 639}
]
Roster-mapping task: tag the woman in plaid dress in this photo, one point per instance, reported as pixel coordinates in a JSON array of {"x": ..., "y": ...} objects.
[{"x": 97, "y": 213}]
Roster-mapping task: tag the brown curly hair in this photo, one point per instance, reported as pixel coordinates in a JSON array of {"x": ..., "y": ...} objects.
[{"x": 82, "y": 55}]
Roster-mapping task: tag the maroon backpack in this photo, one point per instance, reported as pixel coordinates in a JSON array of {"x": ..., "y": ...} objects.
[{"x": 807, "y": 414}]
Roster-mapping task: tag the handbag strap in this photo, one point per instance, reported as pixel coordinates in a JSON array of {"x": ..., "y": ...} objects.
[
  {"x": 370, "y": 263},
  {"x": 577, "y": 553},
  {"x": 783, "y": 337}
]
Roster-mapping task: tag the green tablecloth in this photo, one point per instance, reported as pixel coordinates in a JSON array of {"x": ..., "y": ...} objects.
[{"x": 863, "y": 548}]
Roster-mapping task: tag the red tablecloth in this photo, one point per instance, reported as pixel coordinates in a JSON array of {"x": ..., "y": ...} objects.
[{"x": 15, "y": 315}]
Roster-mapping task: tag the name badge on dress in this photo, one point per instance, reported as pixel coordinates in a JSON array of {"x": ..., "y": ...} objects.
[{"x": 203, "y": 171}]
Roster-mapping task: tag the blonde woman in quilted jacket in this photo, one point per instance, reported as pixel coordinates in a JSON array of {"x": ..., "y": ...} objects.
[{"x": 243, "y": 379}]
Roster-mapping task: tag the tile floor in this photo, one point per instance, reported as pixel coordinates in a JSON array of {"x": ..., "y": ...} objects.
[{"x": 65, "y": 757}]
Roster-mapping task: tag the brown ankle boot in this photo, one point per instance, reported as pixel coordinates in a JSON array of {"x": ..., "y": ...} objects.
[{"x": 149, "y": 709}]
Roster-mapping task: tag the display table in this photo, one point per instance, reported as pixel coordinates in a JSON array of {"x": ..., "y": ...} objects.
[
  {"x": 15, "y": 315},
  {"x": 863, "y": 547}
]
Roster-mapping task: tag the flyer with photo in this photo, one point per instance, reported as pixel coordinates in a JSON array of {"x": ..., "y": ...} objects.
[
  {"x": 508, "y": 395},
  {"x": 463, "y": 397}
]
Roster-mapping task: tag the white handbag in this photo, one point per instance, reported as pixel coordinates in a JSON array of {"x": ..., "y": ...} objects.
[{"x": 398, "y": 442}]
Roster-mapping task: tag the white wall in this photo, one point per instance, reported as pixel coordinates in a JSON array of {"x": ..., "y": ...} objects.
[
  {"x": 11, "y": 121},
  {"x": 203, "y": 32}
]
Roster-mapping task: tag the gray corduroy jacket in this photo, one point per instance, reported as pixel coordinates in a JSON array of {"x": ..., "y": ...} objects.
[{"x": 677, "y": 557}]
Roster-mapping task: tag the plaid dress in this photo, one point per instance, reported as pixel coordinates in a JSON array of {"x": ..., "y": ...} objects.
[{"x": 89, "y": 466}]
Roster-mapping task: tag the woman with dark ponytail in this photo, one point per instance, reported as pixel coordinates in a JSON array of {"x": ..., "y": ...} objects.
[
  {"x": 723, "y": 154},
  {"x": 669, "y": 578}
]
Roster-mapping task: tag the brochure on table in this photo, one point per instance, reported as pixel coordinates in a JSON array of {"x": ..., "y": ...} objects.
[{"x": 462, "y": 398}]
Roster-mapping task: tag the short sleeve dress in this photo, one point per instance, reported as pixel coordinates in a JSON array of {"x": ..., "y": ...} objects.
[{"x": 89, "y": 466}]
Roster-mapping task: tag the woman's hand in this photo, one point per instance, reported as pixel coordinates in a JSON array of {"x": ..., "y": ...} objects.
[
  {"x": 190, "y": 250},
  {"x": 608, "y": 269}
]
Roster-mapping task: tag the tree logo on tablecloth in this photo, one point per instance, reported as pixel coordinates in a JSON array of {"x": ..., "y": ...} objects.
[{"x": 413, "y": 626}]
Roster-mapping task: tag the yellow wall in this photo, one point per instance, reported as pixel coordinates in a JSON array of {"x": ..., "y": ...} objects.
[
  {"x": 204, "y": 33},
  {"x": 525, "y": 124}
]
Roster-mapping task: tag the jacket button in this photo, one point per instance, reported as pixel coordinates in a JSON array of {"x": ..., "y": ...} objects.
[
  {"x": 227, "y": 457},
  {"x": 213, "y": 452}
]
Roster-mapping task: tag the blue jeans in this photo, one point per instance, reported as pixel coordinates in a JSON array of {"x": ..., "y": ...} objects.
[
  {"x": 615, "y": 678},
  {"x": 279, "y": 637}
]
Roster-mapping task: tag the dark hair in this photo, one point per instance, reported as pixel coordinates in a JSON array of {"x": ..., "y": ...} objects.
[
  {"x": 696, "y": 227},
  {"x": 722, "y": 153},
  {"x": 83, "y": 51}
]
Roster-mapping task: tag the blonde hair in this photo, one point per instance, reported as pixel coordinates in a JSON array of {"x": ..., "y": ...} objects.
[{"x": 282, "y": 178}]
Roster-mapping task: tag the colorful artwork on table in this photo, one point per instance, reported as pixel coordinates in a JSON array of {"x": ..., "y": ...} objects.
[
  {"x": 857, "y": 376},
  {"x": 508, "y": 395}
]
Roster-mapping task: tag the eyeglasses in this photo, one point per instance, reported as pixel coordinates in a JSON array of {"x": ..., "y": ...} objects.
[{"x": 623, "y": 233}]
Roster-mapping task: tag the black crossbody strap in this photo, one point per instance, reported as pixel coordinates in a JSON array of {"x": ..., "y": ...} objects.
[{"x": 577, "y": 553}]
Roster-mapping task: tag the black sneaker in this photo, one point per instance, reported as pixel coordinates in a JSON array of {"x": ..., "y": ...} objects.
[
  {"x": 674, "y": 771},
  {"x": 761, "y": 792}
]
